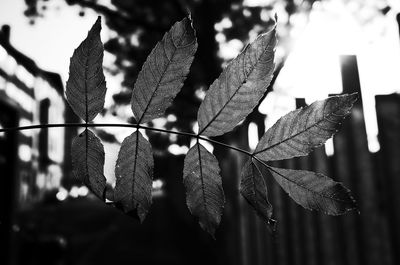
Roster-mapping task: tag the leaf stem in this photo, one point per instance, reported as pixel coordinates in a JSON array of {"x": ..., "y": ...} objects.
[
  {"x": 127, "y": 125},
  {"x": 260, "y": 161}
]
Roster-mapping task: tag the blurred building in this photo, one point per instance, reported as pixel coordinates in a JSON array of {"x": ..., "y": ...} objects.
[
  {"x": 81, "y": 231},
  {"x": 31, "y": 161},
  {"x": 370, "y": 236}
]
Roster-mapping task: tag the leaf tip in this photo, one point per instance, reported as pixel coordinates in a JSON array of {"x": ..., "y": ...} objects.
[
  {"x": 349, "y": 99},
  {"x": 136, "y": 213},
  {"x": 353, "y": 97},
  {"x": 208, "y": 227},
  {"x": 353, "y": 205},
  {"x": 141, "y": 214},
  {"x": 109, "y": 193},
  {"x": 96, "y": 28},
  {"x": 348, "y": 202},
  {"x": 270, "y": 36},
  {"x": 272, "y": 225},
  {"x": 187, "y": 23}
]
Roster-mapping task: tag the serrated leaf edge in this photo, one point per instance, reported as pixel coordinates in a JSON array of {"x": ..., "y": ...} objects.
[
  {"x": 255, "y": 153},
  {"x": 243, "y": 82},
  {"x": 348, "y": 192}
]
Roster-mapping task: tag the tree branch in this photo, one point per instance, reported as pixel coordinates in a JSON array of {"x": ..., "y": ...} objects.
[{"x": 137, "y": 126}]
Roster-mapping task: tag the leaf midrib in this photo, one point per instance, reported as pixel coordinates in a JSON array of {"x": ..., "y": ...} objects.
[
  {"x": 254, "y": 182},
  {"x": 86, "y": 115},
  {"x": 312, "y": 191},
  {"x": 162, "y": 74},
  {"x": 134, "y": 169},
  {"x": 201, "y": 179},
  {"x": 237, "y": 90},
  {"x": 296, "y": 134}
]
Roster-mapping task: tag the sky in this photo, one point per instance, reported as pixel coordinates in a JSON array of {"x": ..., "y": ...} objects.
[
  {"x": 51, "y": 41},
  {"x": 342, "y": 27},
  {"x": 332, "y": 29}
]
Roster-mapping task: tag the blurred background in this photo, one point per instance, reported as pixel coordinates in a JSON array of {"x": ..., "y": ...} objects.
[{"x": 325, "y": 47}]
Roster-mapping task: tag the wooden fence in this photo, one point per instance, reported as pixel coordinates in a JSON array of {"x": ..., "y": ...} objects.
[{"x": 368, "y": 237}]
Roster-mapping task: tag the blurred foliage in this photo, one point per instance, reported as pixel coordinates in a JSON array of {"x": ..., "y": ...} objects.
[{"x": 139, "y": 24}]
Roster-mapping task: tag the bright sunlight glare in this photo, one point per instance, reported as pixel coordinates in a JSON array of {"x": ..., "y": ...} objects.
[{"x": 334, "y": 28}]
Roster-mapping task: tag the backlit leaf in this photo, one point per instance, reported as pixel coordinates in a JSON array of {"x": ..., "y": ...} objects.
[
  {"x": 254, "y": 189},
  {"x": 164, "y": 72},
  {"x": 239, "y": 87},
  {"x": 86, "y": 85},
  {"x": 134, "y": 174},
  {"x": 300, "y": 131},
  {"x": 204, "y": 193},
  {"x": 314, "y": 191},
  {"x": 88, "y": 162}
]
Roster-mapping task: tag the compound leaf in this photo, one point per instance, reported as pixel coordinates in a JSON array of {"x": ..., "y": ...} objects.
[
  {"x": 86, "y": 85},
  {"x": 204, "y": 193},
  {"x": 300, "y": 131},
  {"x": 314, "y": 191},
  {"x": 134, "y": 174},
  {"x": 254, "y": 190},
  {"x": 88, "y": 162},
  {"x": 239, "y": 87},
  {"x": 164, "y": 72}
]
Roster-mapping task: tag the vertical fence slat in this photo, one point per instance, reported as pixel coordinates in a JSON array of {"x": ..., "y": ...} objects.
[
  {"x": 310, "y": 226},
  {"x": 329, "y": 236},
  {"x": 388, "y": 115},
  {"x": 349, "y": 244}
]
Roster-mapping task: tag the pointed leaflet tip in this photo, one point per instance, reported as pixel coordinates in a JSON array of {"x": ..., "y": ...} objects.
[
  {"x": 353, "y": 97},
  {"x": 96, "y": 28},
  {"x": 309, "y": 127},
  {"x": 187, "y": 11},
  {"x": 314, "y": 191},
  {"x": 86, "y": 85},
  {"x": 109, "y": 192}
]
